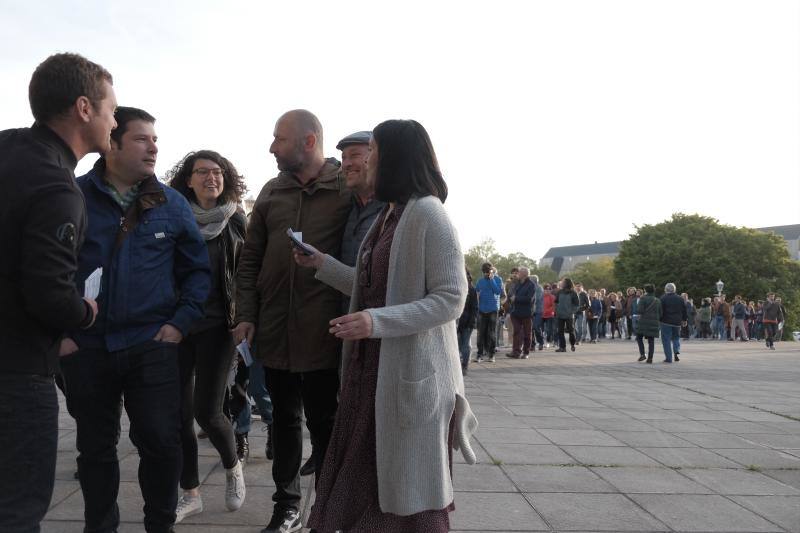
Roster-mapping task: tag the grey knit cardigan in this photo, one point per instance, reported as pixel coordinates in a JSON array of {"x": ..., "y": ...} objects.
[{"x": 420, "y": 386}]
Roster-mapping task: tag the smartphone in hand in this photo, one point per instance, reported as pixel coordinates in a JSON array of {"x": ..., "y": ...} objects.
[{"x": 297, "y": 243}]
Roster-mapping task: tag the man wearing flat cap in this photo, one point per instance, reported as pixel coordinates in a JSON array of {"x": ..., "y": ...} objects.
[
  {"x": 363, "y": 212},
  {"x": 355, "y": 148}
]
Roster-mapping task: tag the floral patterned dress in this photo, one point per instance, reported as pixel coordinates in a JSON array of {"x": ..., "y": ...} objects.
[{"x": 347, "y": 491}]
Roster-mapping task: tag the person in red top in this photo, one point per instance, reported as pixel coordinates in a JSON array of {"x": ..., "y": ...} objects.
[{"x": 548, "y": 313}]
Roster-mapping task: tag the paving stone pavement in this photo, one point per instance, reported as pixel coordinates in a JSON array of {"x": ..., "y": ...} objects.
[{"x": 587, "y": 441}]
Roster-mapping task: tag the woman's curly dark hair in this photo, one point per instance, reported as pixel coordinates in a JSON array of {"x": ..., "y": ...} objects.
[{"x": 234, "y": 186}]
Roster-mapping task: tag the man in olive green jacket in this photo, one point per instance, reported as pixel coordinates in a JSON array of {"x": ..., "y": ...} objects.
[{"x": 285, "y": 309}]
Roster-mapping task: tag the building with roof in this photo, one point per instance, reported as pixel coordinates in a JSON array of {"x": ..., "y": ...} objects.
[{"x": 564, "y": 259}]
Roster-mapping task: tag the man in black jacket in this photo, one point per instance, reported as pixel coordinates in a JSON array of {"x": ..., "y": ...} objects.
[
  {"x": 42, "y": 220},
  {"x": 673, "y": 316}
]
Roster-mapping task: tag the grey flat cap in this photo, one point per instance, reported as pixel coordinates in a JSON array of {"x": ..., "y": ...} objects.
[{"x": 359, "y": 137}]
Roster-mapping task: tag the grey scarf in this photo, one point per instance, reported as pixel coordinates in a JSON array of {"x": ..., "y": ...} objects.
[{"x": 212, "y": 221}]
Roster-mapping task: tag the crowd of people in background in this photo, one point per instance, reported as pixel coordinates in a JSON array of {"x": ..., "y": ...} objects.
[{"x": 535, "y": 316}]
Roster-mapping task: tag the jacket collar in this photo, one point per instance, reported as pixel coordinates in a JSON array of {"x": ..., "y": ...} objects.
[
  {"x": 66, "y": 155},
  {"x": 151, "y": 192},
  {"x": 329, "y": 179}
]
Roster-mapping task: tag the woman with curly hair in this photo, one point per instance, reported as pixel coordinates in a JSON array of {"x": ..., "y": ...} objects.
[{"x": 214, "y": 190}]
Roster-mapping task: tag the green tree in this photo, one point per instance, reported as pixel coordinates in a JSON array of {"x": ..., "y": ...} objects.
[
  {"x": 487, "y": 251},
  {"x": 694, "y": 252},
  {"x": 596, "y": 274}
]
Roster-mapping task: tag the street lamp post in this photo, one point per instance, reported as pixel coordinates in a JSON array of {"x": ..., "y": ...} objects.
[{"x": 720, "y": 286}]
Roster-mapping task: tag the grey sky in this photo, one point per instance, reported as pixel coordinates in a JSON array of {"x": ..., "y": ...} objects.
[{"x": 555, "y": 123}]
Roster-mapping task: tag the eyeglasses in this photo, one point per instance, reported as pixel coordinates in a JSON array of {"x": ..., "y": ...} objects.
[{"x": 203, "y": 172}]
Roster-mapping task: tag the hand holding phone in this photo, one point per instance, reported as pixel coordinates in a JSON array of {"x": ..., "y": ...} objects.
[{"x": 298, "y": 242}]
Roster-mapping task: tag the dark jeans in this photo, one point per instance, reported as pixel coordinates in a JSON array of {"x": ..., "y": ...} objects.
[
  {"x": 522, "y": 335},
  {"x": 487, "y": 333},
  {"x": 291, "y": 392},
  {"x": 565, "y": 325},
  {"x": 629, "y": 323},
  {"x": 205, "y": 360},
  {"x": 146, "y": 377},
  {"x": 770, "y": 329},
  {"x": 593, "y": 328},
  {"x": 651, "y": 346},
  {"x": 464, "y": 336},
  {"x": 28, "y": 444}
]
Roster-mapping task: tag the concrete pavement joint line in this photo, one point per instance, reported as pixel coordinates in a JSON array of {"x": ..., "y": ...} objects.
[
  {"x": 790, "y": 417},
  {"x": 714, "y": 491},
  {"x": 530, "y": 504}
]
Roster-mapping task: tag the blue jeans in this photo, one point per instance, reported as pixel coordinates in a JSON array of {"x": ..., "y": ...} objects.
[
  {"x": 464, "y": 336},
  {"x": 671, "y": 340},
  {"x": 580, "y": 325},
  {"x": 256, "y": 388},
  {"x": 28, "y": 442},
  {"x": 719, "y": 327},
  {"x": 538, "y": 330}
]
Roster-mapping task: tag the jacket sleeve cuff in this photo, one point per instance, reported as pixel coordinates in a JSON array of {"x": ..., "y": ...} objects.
[
  {"x": 181, "y": 322},
  {"x": 87, "y": 317}
]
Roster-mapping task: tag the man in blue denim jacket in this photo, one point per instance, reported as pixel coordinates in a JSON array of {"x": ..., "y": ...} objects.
[
  {"x": 490, "y": 291},
  {"x": 155, "y": 278}
]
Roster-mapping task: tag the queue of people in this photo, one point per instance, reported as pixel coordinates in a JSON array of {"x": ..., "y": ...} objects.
[
  {"x": 154, "y": 297},
  {"x": 565, "y": 312}
]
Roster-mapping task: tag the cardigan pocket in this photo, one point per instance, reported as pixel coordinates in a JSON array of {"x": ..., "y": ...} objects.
[{"x": 417, "y": 401}]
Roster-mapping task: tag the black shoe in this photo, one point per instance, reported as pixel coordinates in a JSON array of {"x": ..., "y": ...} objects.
[
  {"x": 641, "y": 358},
  {"x": 677, "y": 358},
  {"x": 665, "y": 361},
  {"x": 242, "y": 446},
  {"x": 309, "y": 467},
  {"x": 650, "y": 360},
  {"x": 270, "y": 453},
  {"x": 572, "y": 347},
  {"x": 491, "y": 359},
  {"x": 284, "y": 521},
  {"x": 560, "y": 350}
]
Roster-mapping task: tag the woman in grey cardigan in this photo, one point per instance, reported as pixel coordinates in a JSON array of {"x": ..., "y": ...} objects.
[{"x": 402, "y": 408}]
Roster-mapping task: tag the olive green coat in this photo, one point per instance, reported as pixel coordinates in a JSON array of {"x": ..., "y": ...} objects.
[
  {"x": 291, "y": 309},
  {"x": 649, "y": 310}
]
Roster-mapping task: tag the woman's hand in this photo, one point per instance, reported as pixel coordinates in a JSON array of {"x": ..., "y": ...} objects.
[
  {"x": 314, "y": 260},
  {"x": 352, "y": 327}
]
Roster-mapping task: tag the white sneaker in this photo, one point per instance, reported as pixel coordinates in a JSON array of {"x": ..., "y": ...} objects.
[
  {"x": 234, "y": 487},
  {"x": 188, "y": 506}
]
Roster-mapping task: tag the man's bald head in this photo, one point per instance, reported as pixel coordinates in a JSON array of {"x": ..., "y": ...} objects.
[
  {"x": 304, "y": 123},
  {"x": 298, "y": 141}
]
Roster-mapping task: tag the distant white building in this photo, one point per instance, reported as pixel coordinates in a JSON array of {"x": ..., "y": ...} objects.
[{"x": 564, "y": 259}]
